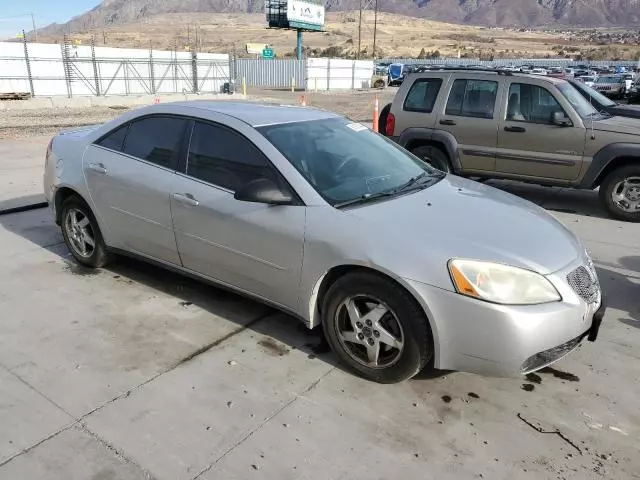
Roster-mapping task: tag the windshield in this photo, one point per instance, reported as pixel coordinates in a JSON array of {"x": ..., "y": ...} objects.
[
  {"x": 593, "y": 96},
  {"x": 577, "y": 101},
  {"x": 609, "y": 80},
  {"x": 346, "y": 161}
]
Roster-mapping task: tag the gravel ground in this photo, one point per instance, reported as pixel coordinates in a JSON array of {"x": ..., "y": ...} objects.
[{"x": 16, "y": 124}]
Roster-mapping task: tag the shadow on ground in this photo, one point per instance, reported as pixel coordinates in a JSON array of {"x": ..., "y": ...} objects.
[
  {"x": 621, "y": 289},
  {"x": 557, "y": 199},
  {"x": 37, "y": 228}
]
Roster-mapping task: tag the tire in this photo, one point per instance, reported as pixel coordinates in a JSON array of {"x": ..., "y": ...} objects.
[
  {"x": 434, "y": 157},
  {"x": 404, "y": 319},
  {"x": 379, "y": 83},
  {"x": 622, "y": 183},
  {"x": 86, "y": 230},
  {"x": 382, "y": 120}
]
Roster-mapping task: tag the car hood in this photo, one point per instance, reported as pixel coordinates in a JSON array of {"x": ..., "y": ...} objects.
[
  {"x": 631, "y": 111},
  {"x": 459, "y": 218},
  {"x": 626, "y": 125}
]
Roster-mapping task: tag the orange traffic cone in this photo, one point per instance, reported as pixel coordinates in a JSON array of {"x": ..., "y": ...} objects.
[{"x": 376, "y": 107}]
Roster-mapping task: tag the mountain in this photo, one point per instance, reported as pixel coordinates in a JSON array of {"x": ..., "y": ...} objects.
[{"x": 592, "y": 13}]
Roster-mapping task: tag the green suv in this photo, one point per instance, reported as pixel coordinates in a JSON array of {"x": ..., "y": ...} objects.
[{"x": 500, "y": 124}]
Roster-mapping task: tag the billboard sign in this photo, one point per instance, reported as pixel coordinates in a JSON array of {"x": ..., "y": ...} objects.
[
  {"x": 305, "y": 14},
  {"x": 295, "y": 14},
  {"x": 255, "y": 48}
]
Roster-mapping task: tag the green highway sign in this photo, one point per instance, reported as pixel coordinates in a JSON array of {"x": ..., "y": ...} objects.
[{"x": 268, "y": 53}]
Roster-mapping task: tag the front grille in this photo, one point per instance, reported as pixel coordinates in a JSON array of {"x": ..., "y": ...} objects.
[
  {"x": 542, "y": 359},
  {"x": 584, "y": 282}
]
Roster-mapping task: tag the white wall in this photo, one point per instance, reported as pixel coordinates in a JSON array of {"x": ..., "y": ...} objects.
[
  {"x": 121, "y": 71},
  {"x": 338, "y": 74}
]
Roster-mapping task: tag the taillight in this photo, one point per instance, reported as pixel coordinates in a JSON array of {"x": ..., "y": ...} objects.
[
  {"x": 391, "y": 125},
  {"x": 49, "y": 147}
]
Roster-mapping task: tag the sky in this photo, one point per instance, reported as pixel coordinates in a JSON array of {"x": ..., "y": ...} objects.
[{"x": 15, "y": 14}]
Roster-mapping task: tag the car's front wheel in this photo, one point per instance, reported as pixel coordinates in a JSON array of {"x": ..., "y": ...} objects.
[
  {"x": 376, "y": 328},
  {"x": 620, "y": 193},
  {"x": 82, "y": 234}
]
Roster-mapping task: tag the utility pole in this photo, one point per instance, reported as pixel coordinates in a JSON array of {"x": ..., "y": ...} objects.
[
  {"x": 359, "y": 33},
  {"x": 33, "y": 22},
  {"x": 375, "y": 28}
]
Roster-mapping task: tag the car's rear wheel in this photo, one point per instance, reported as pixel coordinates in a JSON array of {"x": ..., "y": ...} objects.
[
  {"x": 620, "y": 193},
  {"x": 82, "y": 234},
  {"x": 434, "y": 157},
  {"x": 376, "y": 328}
]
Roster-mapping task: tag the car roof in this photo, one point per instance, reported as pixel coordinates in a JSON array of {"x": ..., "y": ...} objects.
[
  {"x": 260, "y": 114},
  {"x": 501, "y": 74}
]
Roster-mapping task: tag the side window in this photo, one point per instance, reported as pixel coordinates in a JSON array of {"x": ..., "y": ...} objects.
[
  {"x": 531, "y": 103},
  {"x": 472, "y": 98},
  {"x": 156, "y": 139},
  {"x": 422, "y": 95},
  {"x": 115, "y": 139},
  {"x": 223, "y": 157}
]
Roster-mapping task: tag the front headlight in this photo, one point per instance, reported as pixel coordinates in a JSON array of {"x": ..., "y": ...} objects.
[{"x": 498, "y": 283}]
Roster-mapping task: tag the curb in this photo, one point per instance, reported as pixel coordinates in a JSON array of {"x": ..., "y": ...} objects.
[{"x": 24, "y": 208}]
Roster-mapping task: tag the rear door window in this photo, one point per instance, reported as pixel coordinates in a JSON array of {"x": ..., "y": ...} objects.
[
  {"x": 422, "y": 95},
  {"x": 156, "y": 139},
  {"x": 472, "y": 98},
  {"x": 115, "y": 139}
]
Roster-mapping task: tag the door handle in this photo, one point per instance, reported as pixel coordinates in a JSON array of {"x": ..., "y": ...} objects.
[
  {"x": 186, "y": 198},
  {"x": 98, "y": 168},
  {"x": 447, "y": 122},
  {"x": 515, "y": 129}
]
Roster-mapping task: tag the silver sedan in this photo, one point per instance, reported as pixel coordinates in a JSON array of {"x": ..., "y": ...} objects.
[{"x": 402, "y": 265}]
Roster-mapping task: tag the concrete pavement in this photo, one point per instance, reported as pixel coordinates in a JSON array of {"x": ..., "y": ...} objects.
[
  {"x": 132, "y": 372},
  {"x": 21, "y": 169}
]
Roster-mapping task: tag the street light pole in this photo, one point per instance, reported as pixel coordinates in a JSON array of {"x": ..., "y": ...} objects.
[
  {"x": 359, "y": 33},
  {"x": 375, "y": 28},
  {"x": 33, "y": 22}
]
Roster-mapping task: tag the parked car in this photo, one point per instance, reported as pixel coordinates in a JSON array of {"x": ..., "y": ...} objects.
[
  {"x": 547, "y": 133},
  {"x": 323, "y": 218},
  {"x": 613, "y": 86},
  {"x": 539, "y": 71},
  {"x": 397, "y": 73},
  {"x": 633, "y": 95},
  {"x": 557, "y": 73},
  {"x": 589, "y": 80},
  {"x": 628, "y": 80},
  {"x": 604, "y": 104}
]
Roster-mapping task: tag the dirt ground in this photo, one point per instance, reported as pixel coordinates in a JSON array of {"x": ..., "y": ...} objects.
[
  {"x": 17, "y": 124},
  {"x": 397, "y": 35}
]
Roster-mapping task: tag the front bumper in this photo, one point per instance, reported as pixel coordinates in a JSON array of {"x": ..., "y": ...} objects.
[{"x": 500, "y": 340}]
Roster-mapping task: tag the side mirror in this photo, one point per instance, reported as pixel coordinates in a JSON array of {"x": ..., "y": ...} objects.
[
  {"x": 559, "y": 118},
  {"x": 263, "y": 190}
]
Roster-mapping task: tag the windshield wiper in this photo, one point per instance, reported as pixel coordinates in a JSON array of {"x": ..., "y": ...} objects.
[
  {"x": 367, "y": 197},
  {"x": 414, "y": 183}
]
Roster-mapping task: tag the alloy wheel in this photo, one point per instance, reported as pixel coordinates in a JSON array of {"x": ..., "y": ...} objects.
[
  {"x": 626, "y": 195},
  {"x": 369, "y": 331},
  {"x": 79, "y": 232}
]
